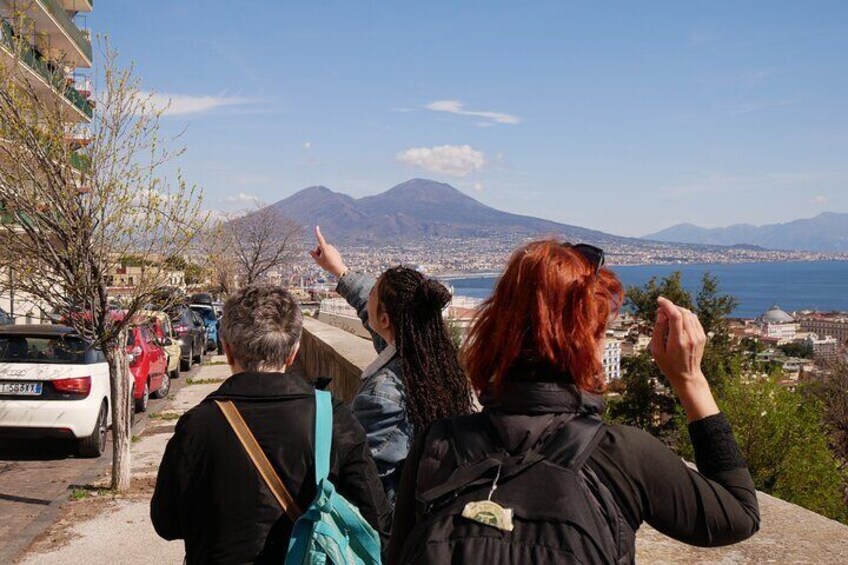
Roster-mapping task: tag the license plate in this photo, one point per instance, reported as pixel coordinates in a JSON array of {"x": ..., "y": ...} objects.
[{"x": 20, "y": 389}]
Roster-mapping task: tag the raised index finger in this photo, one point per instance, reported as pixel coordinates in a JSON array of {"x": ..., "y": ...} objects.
[{"x": 319, "y": 236}]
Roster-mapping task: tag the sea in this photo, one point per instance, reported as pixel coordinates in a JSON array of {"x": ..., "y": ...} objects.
[{"x": 794, "y": 286}]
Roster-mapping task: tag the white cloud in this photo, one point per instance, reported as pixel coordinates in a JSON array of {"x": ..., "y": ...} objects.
[
  {"x": 243, "y": 198},
  {"x": 820, "y": 199},
  {"x": 454, "y": 160},
  {"x": 478, "y": 187},
  {"x": 307, "y": 145},
  {"x": 458, "y": 108},
  {"x": 181, "y": 104}
]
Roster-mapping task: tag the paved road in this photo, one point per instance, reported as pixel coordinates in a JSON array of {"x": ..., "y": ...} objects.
[{"x": 35, "y": 476}]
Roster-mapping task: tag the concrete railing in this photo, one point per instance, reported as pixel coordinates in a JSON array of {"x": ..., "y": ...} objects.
[
  {"x": 788, "y": 534},
  {"x": 326, "y": 351}
]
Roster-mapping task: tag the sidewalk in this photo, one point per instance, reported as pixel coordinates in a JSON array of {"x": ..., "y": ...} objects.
[{"x": 102, "y": 529}]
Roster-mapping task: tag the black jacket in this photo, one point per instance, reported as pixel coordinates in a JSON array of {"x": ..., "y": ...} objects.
[
  {"x": 209, "y": 494},
  {"x": 716, "y": 505}
]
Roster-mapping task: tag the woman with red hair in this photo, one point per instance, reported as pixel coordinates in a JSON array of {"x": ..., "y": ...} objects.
[{"x": 537, "y": 477}]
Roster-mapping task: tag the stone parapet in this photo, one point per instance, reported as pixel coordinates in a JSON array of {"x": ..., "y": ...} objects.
[{"x": 326, "y": 351}]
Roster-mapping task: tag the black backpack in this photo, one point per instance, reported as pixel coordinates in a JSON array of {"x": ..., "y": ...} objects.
[{"x": 563, "y": 513}]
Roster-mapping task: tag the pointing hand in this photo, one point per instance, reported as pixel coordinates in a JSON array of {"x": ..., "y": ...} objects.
[{"x": 327, "y": 256}]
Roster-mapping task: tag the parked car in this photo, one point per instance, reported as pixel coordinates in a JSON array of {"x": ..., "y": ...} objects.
[
  {"x": 210, "y": 320},
  {"x": 5, "y": 318},
  {"x": 191, "y": 331},
  {"x": 53, "y": 384},
  {"x": 219, "y": 309},
  {"x": 162, "y": 328},
  {"x": 201, "y": 298},
  {"x": 148, "y": 365}
]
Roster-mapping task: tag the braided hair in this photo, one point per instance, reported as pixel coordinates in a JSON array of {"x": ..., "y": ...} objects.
[{"x": 436, "y": 386}]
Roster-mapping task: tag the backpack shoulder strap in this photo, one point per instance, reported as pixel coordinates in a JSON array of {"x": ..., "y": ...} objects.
[
  {"x": 259, "y": 459},
  {"x": 573, "y": 444},
  {"x": 323, "y": 434}
]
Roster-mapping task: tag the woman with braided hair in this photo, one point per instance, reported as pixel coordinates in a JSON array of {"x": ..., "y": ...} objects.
[{"x": 416, "y": 378}]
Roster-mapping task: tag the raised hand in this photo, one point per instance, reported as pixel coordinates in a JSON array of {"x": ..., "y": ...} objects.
[
  {"x": 327, "y": 256},
  {"x": 678, "y": 347}
]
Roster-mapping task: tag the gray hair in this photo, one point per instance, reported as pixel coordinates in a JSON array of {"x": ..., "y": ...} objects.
[{"x": 261, "y": 324}]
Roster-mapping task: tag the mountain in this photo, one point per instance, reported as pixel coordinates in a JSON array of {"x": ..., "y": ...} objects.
[
  {"x": 420, "y": 208},
  {"x": 825, "y": 232}
]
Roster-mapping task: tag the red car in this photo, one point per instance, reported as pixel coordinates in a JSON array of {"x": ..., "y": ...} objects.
[{"x": 148, "y": 364}]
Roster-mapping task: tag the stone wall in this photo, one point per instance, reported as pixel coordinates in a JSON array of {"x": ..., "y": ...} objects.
[
  {"x": 788, "y": 533},
  {"x": 350, "y": 324},
  {"x": 326, "y": 351}
]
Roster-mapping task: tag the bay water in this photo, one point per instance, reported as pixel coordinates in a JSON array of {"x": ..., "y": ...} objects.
[{"x": 812, "y": 285}]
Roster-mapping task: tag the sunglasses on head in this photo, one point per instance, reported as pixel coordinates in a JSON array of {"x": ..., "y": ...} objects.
[{"x": 595, "y": 255}]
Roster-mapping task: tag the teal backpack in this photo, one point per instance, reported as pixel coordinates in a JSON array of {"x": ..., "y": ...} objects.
[{"x": 331, "y": 530}]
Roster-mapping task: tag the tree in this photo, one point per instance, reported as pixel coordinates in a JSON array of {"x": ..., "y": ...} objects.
[
  {"x": 81, "y": 199},
  {"x": 781, "y": 433},
  {"x": 643, "y": 301},
  {"x": 832, "y": 392},
  {"x": 259, "y": 244},
  {"x": 641, "y": 403}
]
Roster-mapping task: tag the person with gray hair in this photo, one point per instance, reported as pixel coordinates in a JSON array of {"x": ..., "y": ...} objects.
[{"x": 210, "y": 493}]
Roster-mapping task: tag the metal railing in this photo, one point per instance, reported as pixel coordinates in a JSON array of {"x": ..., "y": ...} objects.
[
  {"x": 36, "y": 62},
  {"x": 58, "y": 12}
]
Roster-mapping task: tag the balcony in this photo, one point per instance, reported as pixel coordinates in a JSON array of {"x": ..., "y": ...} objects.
[
  {"x": 50, "y": 79},
  {"x": 77, "y": 5},
  {"x": 64, "y": 40}
]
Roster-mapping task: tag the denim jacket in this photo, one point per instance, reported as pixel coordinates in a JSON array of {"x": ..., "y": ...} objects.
[{"x": 380, "y": 403}]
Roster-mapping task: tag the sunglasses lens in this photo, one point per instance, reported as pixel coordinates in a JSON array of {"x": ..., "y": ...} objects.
[{"x": 595, "y": 255}]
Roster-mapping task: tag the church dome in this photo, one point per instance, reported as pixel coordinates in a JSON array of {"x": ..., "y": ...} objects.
[{"x": 775, "y": 315}]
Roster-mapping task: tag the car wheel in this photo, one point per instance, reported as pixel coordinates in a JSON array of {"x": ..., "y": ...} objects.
[
  {"x": 175, "y": 374},
  {"x": 199, "y": 357},
  {"x": 187, "y": 363},
  {"x": 93, "y": 445},
  {"x": 219, "y": 349},
  {"x": 165, "y": 387},
  {"x": 141, "y": 403}
]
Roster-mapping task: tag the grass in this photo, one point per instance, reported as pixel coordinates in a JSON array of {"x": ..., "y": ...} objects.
[
  {"x": 164, "y": 416},
  {"x": 84, "y": 492},
  {"x": 80, "y": 494},
  {"x": 215, "y": 363},
  {"x": 204, "y": 381},
  {"x": 135, "y": 439}
]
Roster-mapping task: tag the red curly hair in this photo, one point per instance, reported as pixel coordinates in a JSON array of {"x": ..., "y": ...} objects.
[{"x": 549, "y": 310}]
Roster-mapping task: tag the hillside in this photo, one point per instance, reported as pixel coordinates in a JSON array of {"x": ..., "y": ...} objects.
[
  {"x": 825, "y": 232},
  {"x": 421, "y": 208}
]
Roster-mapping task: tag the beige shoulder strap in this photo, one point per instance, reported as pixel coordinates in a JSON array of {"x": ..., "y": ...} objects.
[{"x": 260, "y": 460}]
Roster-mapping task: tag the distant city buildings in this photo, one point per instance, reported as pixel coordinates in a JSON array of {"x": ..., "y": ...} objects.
[
  {"x": 778, "y": 325},
  {"x": 824, "y": 349},
  {"x": 834, "y": 325},
  {"x": 612, "y": 359}
]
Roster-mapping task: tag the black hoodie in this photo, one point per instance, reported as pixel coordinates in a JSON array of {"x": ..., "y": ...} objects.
[{"x": 209, "y": 494}]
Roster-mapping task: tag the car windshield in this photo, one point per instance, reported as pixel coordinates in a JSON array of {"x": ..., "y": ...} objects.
[
  {"x": 208, "y": 314},
  {"x": 41, "y": 349}
]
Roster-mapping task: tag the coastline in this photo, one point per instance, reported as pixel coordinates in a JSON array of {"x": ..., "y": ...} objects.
[{"x": 462, "y": 275}]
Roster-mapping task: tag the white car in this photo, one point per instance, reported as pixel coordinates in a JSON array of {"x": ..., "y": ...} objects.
[{"x": 53, "y": 385}]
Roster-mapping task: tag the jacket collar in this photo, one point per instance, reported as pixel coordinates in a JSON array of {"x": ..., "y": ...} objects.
[
  {"x": 383, "y": 359},
  {"x": 542, "y": 397},
  {"x": 251, "y": 385}
]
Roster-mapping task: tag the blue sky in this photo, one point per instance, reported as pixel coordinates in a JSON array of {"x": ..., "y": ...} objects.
[{"x": 622, "y": 116}]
